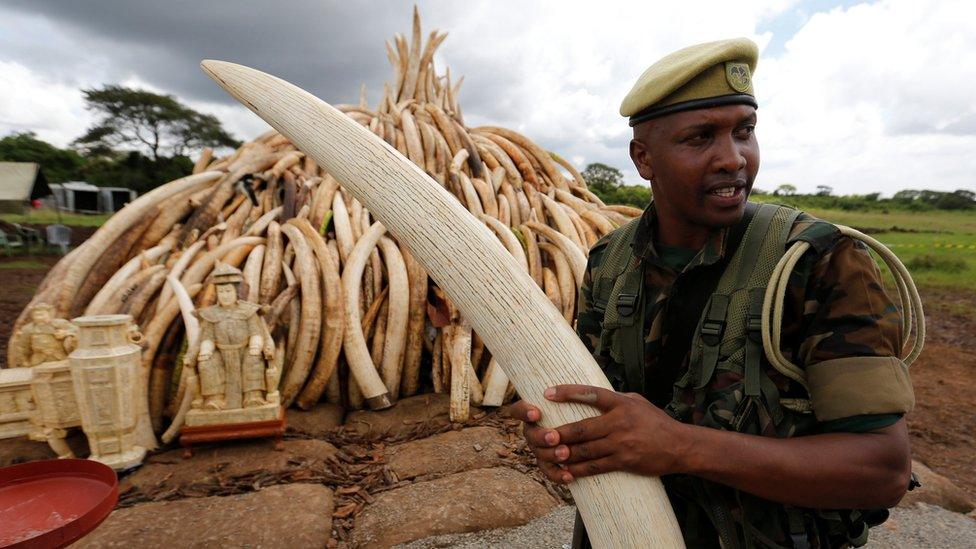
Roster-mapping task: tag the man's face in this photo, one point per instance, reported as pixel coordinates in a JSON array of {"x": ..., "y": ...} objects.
[{"x": 701, "y": 163}]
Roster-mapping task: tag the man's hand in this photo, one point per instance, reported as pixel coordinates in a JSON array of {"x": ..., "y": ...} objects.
[{"x": 631, "y": 434}]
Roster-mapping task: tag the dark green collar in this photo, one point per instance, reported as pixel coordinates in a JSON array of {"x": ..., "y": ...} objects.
[{"x": 644, "y": 249}]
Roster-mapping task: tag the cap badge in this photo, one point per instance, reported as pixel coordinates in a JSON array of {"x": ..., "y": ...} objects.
[{"x": 738, "y": 76}]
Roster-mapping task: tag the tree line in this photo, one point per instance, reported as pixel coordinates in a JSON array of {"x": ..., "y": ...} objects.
[
  {"x": 140, "y": 140},
  {"x": 607, "y": 182}
]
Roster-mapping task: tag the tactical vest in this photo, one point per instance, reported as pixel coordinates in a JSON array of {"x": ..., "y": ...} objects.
[{"x": 728, "y": 384}]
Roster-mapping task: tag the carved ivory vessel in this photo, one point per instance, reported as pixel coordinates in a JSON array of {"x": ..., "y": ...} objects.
[{"x": 105, "y": 370}]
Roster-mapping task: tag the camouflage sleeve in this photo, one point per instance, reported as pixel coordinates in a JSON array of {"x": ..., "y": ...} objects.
[
  {"x": 588, "y": 319},
  {"x": 847, "y": 335},
  {"x": 589, "y": 323}
]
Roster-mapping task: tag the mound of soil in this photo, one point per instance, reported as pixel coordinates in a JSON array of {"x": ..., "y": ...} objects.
[{"x": 16, "y": 291}]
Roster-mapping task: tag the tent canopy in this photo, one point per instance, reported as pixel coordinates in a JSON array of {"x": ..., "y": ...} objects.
[{"x": 22, "y": 181}]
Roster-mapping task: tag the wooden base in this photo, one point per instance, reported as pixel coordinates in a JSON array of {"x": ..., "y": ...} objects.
[{"x": 274, "y": 428}]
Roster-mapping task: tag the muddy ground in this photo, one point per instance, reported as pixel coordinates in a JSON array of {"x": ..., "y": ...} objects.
[{"x": 944, "y": 376}]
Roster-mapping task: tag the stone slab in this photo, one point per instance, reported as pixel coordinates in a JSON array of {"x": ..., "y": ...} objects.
[
  {"x": 462, "y": 502},
  {"x": 446, "y": 453},
  {"x": 213, "y": 464},
  {"x": 290, "y": 515}
]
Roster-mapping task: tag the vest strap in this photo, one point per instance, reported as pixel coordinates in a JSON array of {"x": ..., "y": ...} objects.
[
  {"x": 752, "y": 243},
  {"x": 752, "y": 373},
  {"x": 711, "y": 332}
]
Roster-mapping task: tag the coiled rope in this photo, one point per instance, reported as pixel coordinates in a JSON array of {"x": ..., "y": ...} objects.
[{"x": 913, "y": 318}]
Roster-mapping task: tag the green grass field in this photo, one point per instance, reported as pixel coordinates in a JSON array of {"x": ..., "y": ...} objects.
[
  {"x": 939, "y": 247},
  {"x": 49, "y": 217},
  {"x": 23, "y": 264}
]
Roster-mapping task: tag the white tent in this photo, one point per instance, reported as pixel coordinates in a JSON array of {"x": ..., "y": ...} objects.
[{"x": 21, "y": 182}]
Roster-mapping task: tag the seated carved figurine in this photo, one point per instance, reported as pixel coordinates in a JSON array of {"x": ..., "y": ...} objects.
[{"x": 235, "y": 364}]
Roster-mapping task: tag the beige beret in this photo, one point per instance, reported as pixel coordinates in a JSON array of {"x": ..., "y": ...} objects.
[{"x": 696, "y": 77}]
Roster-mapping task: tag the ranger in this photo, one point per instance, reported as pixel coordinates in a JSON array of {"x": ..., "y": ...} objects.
[{"x": 671, "y": 308}]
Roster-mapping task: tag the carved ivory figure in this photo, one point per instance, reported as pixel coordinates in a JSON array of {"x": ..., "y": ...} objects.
[
  {"x": 42, "y": 347},
  {"x": 45, "y": 338},
  {"x": 235, "y": 366}
]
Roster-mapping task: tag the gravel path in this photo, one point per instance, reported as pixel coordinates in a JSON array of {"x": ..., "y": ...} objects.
[{"x": 921, "y": 526}]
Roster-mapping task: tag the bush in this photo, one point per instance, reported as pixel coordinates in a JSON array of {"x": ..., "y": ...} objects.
[{"x": 930, "y": 262}]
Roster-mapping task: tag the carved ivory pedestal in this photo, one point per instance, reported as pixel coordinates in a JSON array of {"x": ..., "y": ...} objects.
[
  {"x": 16, "y": 406},
  {"x": 57, "y": 407},
  {"x": 105, "y": 370}
]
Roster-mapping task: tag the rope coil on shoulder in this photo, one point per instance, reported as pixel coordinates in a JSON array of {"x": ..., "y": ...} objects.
[{"x": 913, "y": 318}]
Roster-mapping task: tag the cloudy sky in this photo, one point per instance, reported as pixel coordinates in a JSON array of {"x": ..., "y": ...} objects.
[{"x": 862, "y": 96}]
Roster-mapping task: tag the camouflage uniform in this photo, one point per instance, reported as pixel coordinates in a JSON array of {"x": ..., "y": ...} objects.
[{"x": 836, "y": 308}]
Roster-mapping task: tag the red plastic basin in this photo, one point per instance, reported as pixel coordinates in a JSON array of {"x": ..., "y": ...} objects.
[{"x": 55, "y": 502}]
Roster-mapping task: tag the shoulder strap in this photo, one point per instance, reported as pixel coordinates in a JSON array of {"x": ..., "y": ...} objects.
[{"x": 616, "y": 258}]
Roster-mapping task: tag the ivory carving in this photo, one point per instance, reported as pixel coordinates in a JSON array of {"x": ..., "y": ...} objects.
[{"x": 236, "y": 377}]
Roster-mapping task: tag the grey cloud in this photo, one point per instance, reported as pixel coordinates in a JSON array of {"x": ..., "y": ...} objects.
[{"x": 163, "y": 42}]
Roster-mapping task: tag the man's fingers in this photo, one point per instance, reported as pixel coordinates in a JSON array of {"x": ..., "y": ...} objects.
[
  {"x": 555, "y": 473},
  {"x": 592, "y": 467},
  {"x": 598, "y": 397},
  {"x": 540, "y": 437},
  {"x": 584, "y": 430},
  {"x": 548, "y": 455},
  {"x": 576, "y": 453},
  {"x": 523, "y": 411},
  {"x": 586, "y": 451}
]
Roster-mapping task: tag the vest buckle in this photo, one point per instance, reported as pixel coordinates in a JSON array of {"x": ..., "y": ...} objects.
[
  {"x": 754, "y": 328},
  {"x": 626, "y": 304},
  {"x": 711, "y": 331}
]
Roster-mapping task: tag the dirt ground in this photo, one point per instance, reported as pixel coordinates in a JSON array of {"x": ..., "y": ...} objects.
[
  {"x": 17, "y": 286},
  {"x": 944, "y": 376}
]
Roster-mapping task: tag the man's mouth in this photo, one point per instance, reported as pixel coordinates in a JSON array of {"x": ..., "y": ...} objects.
[{"x": 726, "y": 192}]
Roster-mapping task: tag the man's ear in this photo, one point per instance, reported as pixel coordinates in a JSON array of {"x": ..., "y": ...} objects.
[{"x": 641, "y": 157}]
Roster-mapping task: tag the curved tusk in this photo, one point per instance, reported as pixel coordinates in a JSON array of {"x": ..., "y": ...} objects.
[{"x": 480, "y": 276}]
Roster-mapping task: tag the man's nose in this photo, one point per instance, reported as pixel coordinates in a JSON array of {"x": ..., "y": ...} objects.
[{"x": 729, "y": 157}]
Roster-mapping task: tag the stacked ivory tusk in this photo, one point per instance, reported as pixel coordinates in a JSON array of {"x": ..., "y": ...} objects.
[{"x": 358, "y": 318}]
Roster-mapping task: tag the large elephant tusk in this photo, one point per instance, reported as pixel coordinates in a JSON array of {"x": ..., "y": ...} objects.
[{"x": 480, "y": 276}]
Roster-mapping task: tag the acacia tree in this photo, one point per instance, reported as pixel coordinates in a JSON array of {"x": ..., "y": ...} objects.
[
  {"x": 601, "y": 178},
  {"x": 785, "y": 189},
  {"x": 158, "y": 125},
  {"x": 607, "y": 182}
]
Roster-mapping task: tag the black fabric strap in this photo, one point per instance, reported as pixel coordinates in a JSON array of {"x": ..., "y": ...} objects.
[{"x": 708, "y": 102}]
